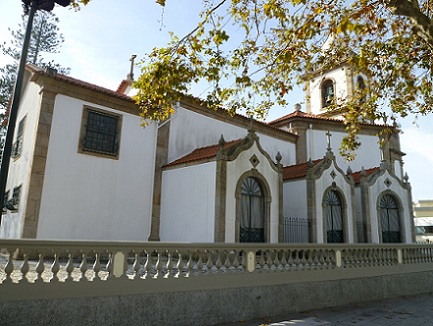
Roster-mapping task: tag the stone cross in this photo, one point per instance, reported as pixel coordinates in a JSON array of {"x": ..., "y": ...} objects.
[
  {"x": 328, "y": 136},
  {"x": 131, "y": 71}
]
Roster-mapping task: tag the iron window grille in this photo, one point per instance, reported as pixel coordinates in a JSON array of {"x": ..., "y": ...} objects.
[
  {"x": 17, "y": 147},
  {"x": 101, "y": 133}
]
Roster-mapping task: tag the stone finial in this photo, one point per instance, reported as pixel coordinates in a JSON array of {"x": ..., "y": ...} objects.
[
  {"x": 349, "y": 170},
  {"x": 406, "y": 178},
  {"x": 298, "y": 107},
  {"x": 310, "y": 163},
  {"x": 278, "y": 157},
  {"x": 363, "y": 173},
  {"x": 222, "y": 142}
]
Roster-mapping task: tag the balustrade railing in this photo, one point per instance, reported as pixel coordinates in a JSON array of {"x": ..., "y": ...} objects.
[{"x": 32, "y": 261}]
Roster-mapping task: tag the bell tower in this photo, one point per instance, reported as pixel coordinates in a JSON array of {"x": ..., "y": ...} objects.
[{"x": 332, "y": 86}]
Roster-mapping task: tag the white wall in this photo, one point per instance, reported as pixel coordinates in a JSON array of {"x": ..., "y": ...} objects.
[
  {"x": 19, "y": 171},
  {"x": 188, "y": 204},
  {"x": 295, "y": 199},
  {"x": 190, "y": 130},
  {"x": 367, "y": 155},
  {"x": 235, "y": 169},
  {"x": 89, "y": 197}
]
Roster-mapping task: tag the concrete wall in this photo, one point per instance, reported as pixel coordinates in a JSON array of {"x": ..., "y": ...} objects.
[
  {"x": 19, "y": 170},
  {"x": 90, "y": 197},
  {"x": 190, "y": 130},
  {"x": 208, "y": 307},
  {"x": 188, "y": 204}
]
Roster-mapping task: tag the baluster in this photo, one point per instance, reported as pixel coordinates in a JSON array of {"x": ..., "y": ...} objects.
[
  {"x": 158, "y": 265},
  {"x": 209, "y": 263},
  {"x": 227, "y": 263},
  {"x": 83, "y": 267},
  {"x": 244, "y": 262},
  {"x": 309, "y": 259},
  {"x": 291, "y": 261},
  {"x": 40, "y": 267},
  {"x": 179, "y": 265},
  {"x": 189, "y": 265},
  {"x": 199, "y": 265},
  {"x": 303, "y": 261},
  {"x": 24, "y": 268},
  {"x": 321, "y": 264},
  {"x": 96, "y": 266},
  {"x": 283, "y": 261},
  {"x": 169, "y": 266},
  {"x": 261, "y": 261},
  {"x": 269, "y": 262},
  {"x": 235, "y": 263},
  {"x": 148, "y": 265},
  {"x": 136, "y": 266},
  {"x": 218, "y": 263},
  {"x": 277, "y": 261},
  {"x": 314, "y": 264},
  {"x": 9, "y": 268},
  {"x": 69, "y": 268},
  {"x": 55, "y": 268}
]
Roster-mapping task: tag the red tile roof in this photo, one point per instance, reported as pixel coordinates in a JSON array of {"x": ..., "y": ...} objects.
[
  {"x": 357, "y": 175},
  {"x": 77, "y": 82},
  {"x": 298, "y": 170},
  {"x": 296, "y": 114},
  {"x": 202, "y": 153}
]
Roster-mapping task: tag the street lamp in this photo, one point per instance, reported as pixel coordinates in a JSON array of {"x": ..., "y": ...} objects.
[{"x": 30, "y": 7}]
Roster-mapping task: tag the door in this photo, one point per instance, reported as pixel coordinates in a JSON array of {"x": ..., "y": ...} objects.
[
  {"x": 252, "y": 211},
  {"x": 334, "y": 218},
  {"x": 389, "y": 220}
]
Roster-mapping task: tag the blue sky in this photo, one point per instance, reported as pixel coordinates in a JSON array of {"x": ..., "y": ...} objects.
[{"x": 100, "y": 39}]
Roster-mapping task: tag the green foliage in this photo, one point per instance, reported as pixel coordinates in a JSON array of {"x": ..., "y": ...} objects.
[
  {"x": 45, "y": 38},
  {"x": 253, "y": 52}
]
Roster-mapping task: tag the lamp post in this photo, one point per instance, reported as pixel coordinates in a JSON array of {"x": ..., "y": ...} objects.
[{"x": 30, "y": 7}]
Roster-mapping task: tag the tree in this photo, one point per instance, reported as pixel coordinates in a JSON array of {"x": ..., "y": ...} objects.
[
  {"x": 254, "y": 52},
  {"x": 45, "y": 38}
]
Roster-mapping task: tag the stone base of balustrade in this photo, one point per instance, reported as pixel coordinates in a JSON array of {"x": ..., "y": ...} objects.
[{"x": 199, "y": 307}]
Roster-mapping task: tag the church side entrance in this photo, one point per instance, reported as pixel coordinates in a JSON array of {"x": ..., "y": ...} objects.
[
  {"x": 334, "y": 218},
  {"x": 252, "y": 211},
  {"x": 390, "y": 220}
]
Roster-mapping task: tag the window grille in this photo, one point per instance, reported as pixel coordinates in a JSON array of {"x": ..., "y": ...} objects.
[
  {"x": 101, "y": 133},
  {"x": 390, "y": 220},
  {"x": 17, "y": 147}
]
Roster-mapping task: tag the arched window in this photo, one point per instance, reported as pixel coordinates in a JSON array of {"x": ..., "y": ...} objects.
[
  {"x": 360, "y": 83},
  {"x": 334, "y": 218},
  {"x": 389, "y": 220},
  {"x": 328, "y": 93},
  {"x": 252, "y": 211}
]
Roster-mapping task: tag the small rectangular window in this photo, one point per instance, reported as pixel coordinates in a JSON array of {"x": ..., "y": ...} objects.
[
  {"x": 100, "y": 133},
  {"x": 5, "y": 200},
  {"x": 17, "y": 147}
]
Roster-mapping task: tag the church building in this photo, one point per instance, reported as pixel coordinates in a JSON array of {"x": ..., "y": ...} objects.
[{"x": 83, "y": 168}]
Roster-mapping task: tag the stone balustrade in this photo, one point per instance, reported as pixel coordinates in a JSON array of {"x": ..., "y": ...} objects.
[
  {"x": 30, "y": 261},
  {"x": 153, "y": 283}
]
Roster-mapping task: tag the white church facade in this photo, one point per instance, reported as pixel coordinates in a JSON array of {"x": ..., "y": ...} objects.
[{"x": 84, "y": 168}]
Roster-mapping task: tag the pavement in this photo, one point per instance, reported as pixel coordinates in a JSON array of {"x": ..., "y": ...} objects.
[{"x": 405, "y": 311}]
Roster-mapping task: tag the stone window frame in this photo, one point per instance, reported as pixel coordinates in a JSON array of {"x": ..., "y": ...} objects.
[
  {"x": 5, "y": 199},
  {"x": 17, "y": 146},
  {"x": 400, "y": 206},
  {"x": 84, "y": 120},
  {"x": 344, "y": 208},
  {"x": 323, "y": 87}
]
